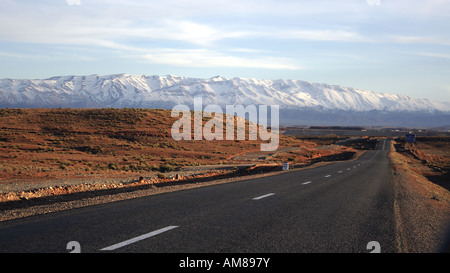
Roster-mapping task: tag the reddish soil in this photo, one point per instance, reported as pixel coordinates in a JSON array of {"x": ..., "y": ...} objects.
[{"x": 45, "y": 152}]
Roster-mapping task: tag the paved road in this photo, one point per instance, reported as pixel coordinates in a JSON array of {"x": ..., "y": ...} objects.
[{"x": 339, "y": 207}]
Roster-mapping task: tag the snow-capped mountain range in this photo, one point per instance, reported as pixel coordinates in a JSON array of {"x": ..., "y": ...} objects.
[{"x": 300, "y": 102}]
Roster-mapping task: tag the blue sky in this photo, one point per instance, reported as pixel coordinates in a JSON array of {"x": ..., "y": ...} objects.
[{"x": 389, "y": 46}]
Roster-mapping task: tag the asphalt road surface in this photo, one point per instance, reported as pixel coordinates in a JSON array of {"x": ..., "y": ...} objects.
[{"x": 341, "y": 207}]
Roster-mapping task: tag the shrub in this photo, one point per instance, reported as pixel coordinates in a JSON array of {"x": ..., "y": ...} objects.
[
  {"x": 113, "y": 166},
  {"x": 166, "y": 168},
  {"x": 161, "y": 176}
]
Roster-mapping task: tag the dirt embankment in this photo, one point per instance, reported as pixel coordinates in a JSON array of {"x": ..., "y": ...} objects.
[{"x": 422, "y": 207}]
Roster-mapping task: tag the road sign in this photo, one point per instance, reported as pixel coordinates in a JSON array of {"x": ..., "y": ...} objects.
[{"x": 411, "y": 138}]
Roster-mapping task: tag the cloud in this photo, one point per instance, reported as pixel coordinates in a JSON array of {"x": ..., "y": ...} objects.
[
  {"x": 73, "y": 2},
  {"x": 373, "y": 2},
  {"x": 421, "y": 40},
  {"x": 239, "y": 40},
  {"x": 186, "y": 31},
  {"x": 321, "y": 35},
  {"x": 15, "y": 55},
  {"x": 211, "y": 58},
  {"x": 435, "y": 55}
]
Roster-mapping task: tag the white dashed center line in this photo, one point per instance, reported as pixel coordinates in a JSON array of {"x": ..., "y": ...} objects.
[
  {"x": 139, "y": 238},
  {"x": 263, "y": 196},
  {"x": 306, "y": 183}
]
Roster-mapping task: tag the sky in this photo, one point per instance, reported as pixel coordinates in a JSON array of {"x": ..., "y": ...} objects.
[{"x": 387, "y": 46}]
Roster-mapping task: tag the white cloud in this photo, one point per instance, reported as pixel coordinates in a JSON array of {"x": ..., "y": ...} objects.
[
  {"x": 210, "y": 58},
  {"x": 73, "y": 2},
  {"x": 321, "y": 35},
  {"x": 435, "y": 55},
  {"x": 15, "y": 55},
  {"x": 420, "y": 40},
  {"x": 187, "y": 31},
  {"x": 102, "y": 22},
  {"x": 224, "y": 32},
  {"x": 373, "y": 2}
]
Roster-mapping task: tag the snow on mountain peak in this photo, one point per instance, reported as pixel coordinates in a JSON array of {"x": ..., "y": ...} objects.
[{"x": 126, "y": 90}]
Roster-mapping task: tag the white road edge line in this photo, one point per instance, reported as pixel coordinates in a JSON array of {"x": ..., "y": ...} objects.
[
  {"x": 306, "y": 183},
  {"x": 139, "y": 238},
  {"x": 263, "y": 196}
]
